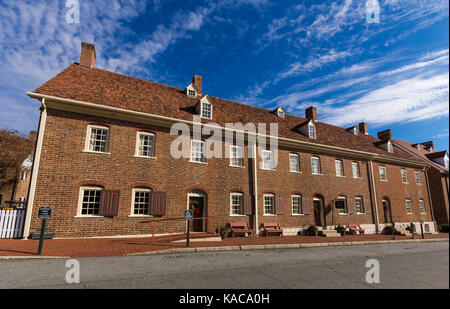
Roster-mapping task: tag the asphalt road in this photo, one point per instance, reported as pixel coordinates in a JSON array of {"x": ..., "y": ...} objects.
[{"x": 415, "y": 265}]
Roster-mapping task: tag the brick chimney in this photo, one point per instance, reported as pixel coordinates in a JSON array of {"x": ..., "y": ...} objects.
[
  {"x": 87, "y": 57},
  {"x": 311, "y": 113},
  {"x": 385, "y": 135},
  {"x": 363, "y": 128},
  {"x": 197, "y": 82}
]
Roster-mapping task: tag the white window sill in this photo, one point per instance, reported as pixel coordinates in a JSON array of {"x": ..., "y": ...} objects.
[
  {"x": 97, "y": 152},
  {"x": 269, "y": 215},
  {"x": 344, "y": 214},
  {"x": 357, "y": 177},
  {"x": 140, "y": 216},
  {"x": 296, "y": 172},
  {"x": 405, "y": 183},
  {"x": 317, "y": 174},
  {"x": 231, "y": 215},
  {"x": 419, "y": 184},
  {"x": 383, "y": 180},
  {"x": 238, "y": 166},
  {"x": 88, "y": 216},
  {"x": 145, "y": 157},
  {"x": 411, "y": 213},
  {"x": 298, "y": 215},
  {"x": 360, "y": 213},
  {"x": 191, "y": 161},
  {"x": 267, "y": 169},
  {"x": 340, "y": 176}
]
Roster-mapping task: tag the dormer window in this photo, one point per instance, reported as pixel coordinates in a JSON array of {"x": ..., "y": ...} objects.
[
  {"x": 191, "y": 93},
  {"x": 355, "y": 131},
  {"x": 311, "y": 130},
  {"x": 206, "y": 110},
  {"x": 390, "y": 148},
  {"x": 280, "y": 113}
]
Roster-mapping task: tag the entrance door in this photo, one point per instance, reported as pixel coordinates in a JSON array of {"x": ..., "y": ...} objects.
[
  {"x": 319, "y": 215},
  {"x": 197, "y": 204},
  {"x": 387, "y": 211}
]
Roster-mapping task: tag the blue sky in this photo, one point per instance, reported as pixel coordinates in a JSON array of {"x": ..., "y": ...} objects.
[{"x": 392, "y": 74}]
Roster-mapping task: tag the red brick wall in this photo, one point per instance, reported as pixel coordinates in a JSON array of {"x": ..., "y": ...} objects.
[
  {"x": 64, "y": 167},
  {"x": 439, "y": 195}
]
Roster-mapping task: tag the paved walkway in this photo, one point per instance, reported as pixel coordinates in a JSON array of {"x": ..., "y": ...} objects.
[{"x": 121, "y": 246}]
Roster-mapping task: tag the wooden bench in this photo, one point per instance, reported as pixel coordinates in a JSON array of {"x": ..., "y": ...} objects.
[
  {"x": 272, "y": 228},
  {"x": 240, "y": 228},
  {"x": 354, "y": 228}
]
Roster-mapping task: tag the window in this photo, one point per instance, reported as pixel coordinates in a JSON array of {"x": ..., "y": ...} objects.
[
  {"x": 97, "y": 140},
  {"x": 383, "y": 176},
  {"x": 297, "y": 205},
  {"x": 312, "y": 130},
  {"x": 408, "y": 206},
  {"x": 343, "y": 211},
  {"x": 339, "y": 168},
  {"x": 267, "y": 160},
  {"x": 237, "y": 203},
  {"x": 280, "y": 113},
  {"x": 390, "y": 149},
  {"x": 236, "y": 156},
  {"x": 191, "y": 93},
  {"x": 206, "y": 110},
  {"x": 355, "y": 170},
  {"x": 422, "y": 206},
  {"x": 24, "y": 176},
  {"x": 359, "y": 204},
  {"x": 89, "y": 201},
  {"x": 404, "y": 176},
  {"x": 417, "y": 176},
  {"x": 198, "y": 151},
  {"x": 446, "y": 161},
  {"x": 269, "y": 202},
  {"x": 145, "y": 146},
  {"x": 355, "y": 131},
  {"x": 294, "y": 163},
  {"x": 141, "y": 202},
  {"x": 315, "y": 166}
]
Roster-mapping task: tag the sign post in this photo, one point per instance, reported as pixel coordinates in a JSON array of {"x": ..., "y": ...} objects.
[
  {"x": 421, "y": 227},
  {"x": 44, "y": 213},
  {"x": 188, "y": 215}
]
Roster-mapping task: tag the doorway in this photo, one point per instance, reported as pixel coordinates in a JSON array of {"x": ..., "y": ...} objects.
[
  {"x": 319, "y": 212},
  {"x": 197, "y": 202},
  {"x": 387, "y": 211}
]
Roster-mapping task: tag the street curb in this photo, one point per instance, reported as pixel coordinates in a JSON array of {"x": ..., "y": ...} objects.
[
  {"x": 21, "y": 257},
  {"x": 285, "y": 246}
]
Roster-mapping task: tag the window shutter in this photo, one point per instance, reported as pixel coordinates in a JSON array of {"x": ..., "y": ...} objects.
[
  {"x": 306, "y": 205},
  {"x": 350, "y": 205},
  {"x": 367, "y": 208},
  {"x": 248, "y": 205},
  {"x": 158, "y": 204},
  {"x": 279, "y": 205},
  {"x": 109, "y": 203}
]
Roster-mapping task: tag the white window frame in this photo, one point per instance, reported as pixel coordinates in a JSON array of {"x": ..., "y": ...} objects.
[
  {"x": 210, "y": 110},
  {"x": 80, "y": 201},
  {"x": 312, "y": 134},
  {"x": 312, "y": 166},
  {"x": 133, "y": 197},
  {"x": 358, "y": 198},
  {"x": 88, "y": 139},
  {"x": 192, "y": 159},
  {"x": 234, "y": 159},
  {"x": 380, "y": 169},
  {"x": 300, "y": 205},
  {"x": 422, "y": 207},
  {"x": 345, "y": 210},
  {"x": 138, "y": 145},
  {"x": 404, "y": 174},
  {"x": 273, "y": 213},
  {"x": 190, "y": 94},
  {"x": 267, "y": 163},
  {"x": 357, "y": 170},
  {"x": 297, "y": 164},
  {"x": 341, "y": 168},
  {"x": 24, "y": 176},
  {"x": 241, "y": 214},
  {"x": 280, "y": 113},
  {"x": 417, "y": 177},
  {"x": 408, "y": 212},
  {"x": 390, "y": 147}
]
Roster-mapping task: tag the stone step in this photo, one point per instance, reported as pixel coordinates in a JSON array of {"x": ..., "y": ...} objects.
[{"x": 329, "y": 233}]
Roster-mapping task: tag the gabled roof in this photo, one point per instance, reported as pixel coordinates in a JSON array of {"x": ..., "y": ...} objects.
[
  {"x": 423, "y": 154},
  {"x": 121, "y": 91}
]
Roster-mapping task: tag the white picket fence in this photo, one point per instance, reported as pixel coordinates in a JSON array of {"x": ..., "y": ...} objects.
[{"x": 11, "y": 223}]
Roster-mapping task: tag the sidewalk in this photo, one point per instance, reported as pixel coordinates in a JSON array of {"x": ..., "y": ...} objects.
[{"x": 121, "y": 246}]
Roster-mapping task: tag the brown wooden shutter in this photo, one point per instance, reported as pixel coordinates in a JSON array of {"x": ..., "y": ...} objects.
[
  {"x": 306, "y": 206},
  {"x": 350, "y": 205},
  {"x": 248, "y": 205},
  {"x": 367, "y": 208},
  {"x": 279, "y": 205},
  {"x": 109, "y": 203},
  {"x": 158, "y": 203}
]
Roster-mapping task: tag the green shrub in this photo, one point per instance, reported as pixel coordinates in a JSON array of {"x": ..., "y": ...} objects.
[
  {"x": 389, "y": 230},
  {"x": 312, "y": 230},
  {"x": 443, "y": 228},
  {"x": 341, "y": 229}
]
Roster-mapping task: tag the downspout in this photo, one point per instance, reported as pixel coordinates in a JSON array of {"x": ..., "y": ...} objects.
[
  {"x": 429, "y": 198},
  {"x": 255, "y": 186},
  {"x": 34, "y": 172},
  {"x": 374, "y": 198}
]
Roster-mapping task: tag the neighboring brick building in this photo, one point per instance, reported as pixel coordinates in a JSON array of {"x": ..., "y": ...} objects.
[
  {"x": 104, "y": 162},
  {"x": 437, "y": 175}
]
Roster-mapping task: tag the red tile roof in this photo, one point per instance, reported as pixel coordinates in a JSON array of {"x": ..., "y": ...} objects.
[{"x": 121, "y": 91}]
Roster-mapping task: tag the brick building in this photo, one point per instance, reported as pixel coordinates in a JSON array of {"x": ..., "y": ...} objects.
[{"x": 104, "y": 161}]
